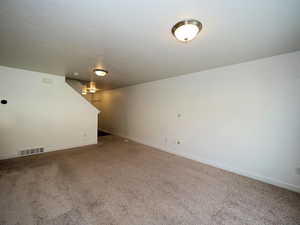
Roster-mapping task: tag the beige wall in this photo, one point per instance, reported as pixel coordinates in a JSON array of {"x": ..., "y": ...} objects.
[
  {"x": 244, "y": 118},
  {"x": 42, "y": 111}
]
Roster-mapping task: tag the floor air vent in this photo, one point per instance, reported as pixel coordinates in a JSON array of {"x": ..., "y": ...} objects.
[{"x": 31, "y": 151}]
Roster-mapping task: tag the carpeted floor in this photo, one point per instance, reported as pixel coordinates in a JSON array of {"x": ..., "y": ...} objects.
[{"x": 125, "y": 183}]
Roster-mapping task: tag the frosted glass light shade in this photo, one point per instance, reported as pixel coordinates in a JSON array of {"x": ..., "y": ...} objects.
[
  {"x": 186, "y": 30},
  {"x": 100, "y": 72}
]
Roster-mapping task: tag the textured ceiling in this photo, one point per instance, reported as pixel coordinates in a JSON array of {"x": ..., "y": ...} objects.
[{"x": 132, "y": 39}]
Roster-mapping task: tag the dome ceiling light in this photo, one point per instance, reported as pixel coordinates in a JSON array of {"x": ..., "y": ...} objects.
[
  {"x": 84, "y": 90},
  {"x": 186, "y": 30},
  {"x": 100, "y": 72},
  {"x": 89, "y": 88},
  {"x": 92, "y": 87}
]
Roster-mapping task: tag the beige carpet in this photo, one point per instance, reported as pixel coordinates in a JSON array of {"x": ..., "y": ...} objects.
[{"x": 131, "y": 184}]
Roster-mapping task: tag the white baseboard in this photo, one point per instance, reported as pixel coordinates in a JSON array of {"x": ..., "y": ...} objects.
[
  {"x": 222, "y": 166},
  {"x": 244, "y": 173},
  {"x": 46, "y": 149},
  {"x": 8, "y": 156}
]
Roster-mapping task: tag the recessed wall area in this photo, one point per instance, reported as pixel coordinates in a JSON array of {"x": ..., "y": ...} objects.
[{"x": 242, "y": 118}]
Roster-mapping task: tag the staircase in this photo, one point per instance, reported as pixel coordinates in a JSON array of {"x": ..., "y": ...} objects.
[{"x": 91, "y": 98}]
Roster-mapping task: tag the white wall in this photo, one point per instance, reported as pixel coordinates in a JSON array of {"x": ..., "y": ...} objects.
[
  {"x": 244, "y": 118},
  {"x": 42, "y": 111}
]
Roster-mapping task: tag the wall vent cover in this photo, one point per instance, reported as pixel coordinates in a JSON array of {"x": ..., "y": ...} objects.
[{"x": 31, "y": 151}]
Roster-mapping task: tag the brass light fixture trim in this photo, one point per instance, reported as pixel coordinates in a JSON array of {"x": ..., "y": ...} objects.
[
  {"x": 89, "y": 88},
  {"x": 92, "y": 87},
  {"x": 188, "y": 29},
  {"x": 84, "y": 90}
]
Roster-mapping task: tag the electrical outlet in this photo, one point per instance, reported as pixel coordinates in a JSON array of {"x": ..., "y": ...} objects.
[
  {"x": 298, "y": 171},
  {"x": 179, "y": 115},
  {"x": 178, "y": 142}
]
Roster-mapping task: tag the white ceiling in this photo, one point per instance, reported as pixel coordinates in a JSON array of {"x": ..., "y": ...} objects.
[{"x": 132, "y": 39}]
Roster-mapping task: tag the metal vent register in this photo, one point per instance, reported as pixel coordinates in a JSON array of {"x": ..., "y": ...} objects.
[{"x": 31, "y": 151}]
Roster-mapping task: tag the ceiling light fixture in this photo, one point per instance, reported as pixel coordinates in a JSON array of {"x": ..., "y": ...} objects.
[
  {"x": 100, "y": 72},
  {"x": 84, "y": 90},
  {"x": 186, "y": 30},
  {"x": 92, "y": 87}
]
